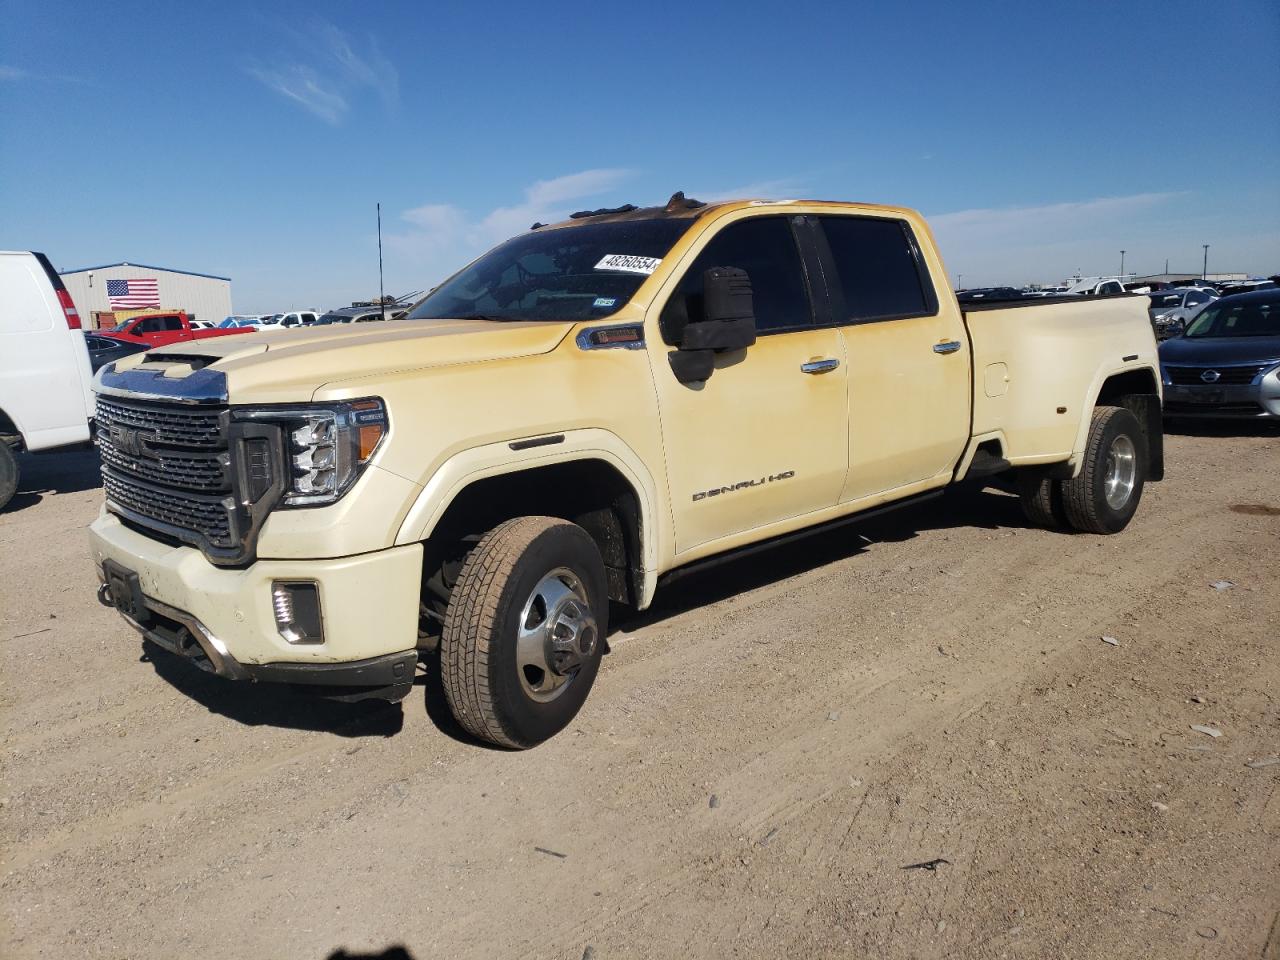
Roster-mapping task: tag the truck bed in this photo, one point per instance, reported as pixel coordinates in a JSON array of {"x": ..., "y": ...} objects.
[{"x": 1031, "y": 358}]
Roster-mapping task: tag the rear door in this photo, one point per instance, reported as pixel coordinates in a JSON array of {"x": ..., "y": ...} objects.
[
  {"x": 909, "y": 363},
  {"x": 44, "y": 363}
]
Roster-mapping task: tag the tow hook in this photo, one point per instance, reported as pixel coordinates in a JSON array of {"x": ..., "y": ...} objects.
[{"x": 104, "y": 595}]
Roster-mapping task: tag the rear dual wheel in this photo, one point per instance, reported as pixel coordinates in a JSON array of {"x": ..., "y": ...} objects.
[
  {"x": 524, "y": 631},
  {"x": 1104, "y": 495}
]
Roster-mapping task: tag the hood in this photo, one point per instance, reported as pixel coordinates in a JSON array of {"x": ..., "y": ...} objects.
[
  {"x": 291, "y": 365},
  {"x": 1209, "y": 350}
]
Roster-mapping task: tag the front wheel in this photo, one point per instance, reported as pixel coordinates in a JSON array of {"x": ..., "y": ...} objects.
[
  {"x": 524, "y": 631},
  {"x": 1103, "y": 497}
]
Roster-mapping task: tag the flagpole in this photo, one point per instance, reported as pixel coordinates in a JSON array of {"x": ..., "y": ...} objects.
[{"x": 382, "y": 297}]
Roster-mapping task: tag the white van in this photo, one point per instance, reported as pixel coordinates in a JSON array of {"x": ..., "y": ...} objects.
[{"x": 46, "y": 398}]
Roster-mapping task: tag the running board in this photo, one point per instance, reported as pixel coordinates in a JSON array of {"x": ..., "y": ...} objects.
[{"x": 697, "y": 566}]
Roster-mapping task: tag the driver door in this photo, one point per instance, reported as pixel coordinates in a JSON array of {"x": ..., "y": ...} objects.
[{"x": 765, "y": 438}]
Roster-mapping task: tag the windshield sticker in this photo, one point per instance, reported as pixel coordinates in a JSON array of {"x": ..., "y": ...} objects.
[
  {"x": 625, "y": 264},
  {"x": 603, "y": 302}
]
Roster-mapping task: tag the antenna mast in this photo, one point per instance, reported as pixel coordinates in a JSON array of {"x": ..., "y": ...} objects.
[{"x": 382, "y": 297}]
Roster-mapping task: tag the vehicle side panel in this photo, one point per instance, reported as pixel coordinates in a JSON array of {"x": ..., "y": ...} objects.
[
  {"x": 44, "y": 365},
  {"x": 1038, "y": 369}
]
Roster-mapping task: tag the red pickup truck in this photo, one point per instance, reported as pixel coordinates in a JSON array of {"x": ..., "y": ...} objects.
[{"x": 162, "y": 329}]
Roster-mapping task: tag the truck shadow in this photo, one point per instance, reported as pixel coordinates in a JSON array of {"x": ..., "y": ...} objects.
[
  {"x": 51, "y": 473},
  {"x": 963, "y": 506},
  {"x": 280, "y": 706},
  {"x": 271, "y": 704}
]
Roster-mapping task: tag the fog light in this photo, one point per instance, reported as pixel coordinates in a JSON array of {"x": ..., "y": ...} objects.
[{"x": 297, "y": 609}]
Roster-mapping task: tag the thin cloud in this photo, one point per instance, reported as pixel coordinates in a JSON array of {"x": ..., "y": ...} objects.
[
  {"x": 779, "y": 189},
  {"x": 304, "y": 87},
  {"x": 444, "y": 236},
  {"x": 1051, "y": 216},
  {"x": 999, "y": 245},
  {"x": 348, "y": 70},
  {"x": 8, "y": 72}
]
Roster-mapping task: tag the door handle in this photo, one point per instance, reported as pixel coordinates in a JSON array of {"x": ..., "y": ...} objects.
[
  {"x": 819, "y": 366},
  {"x": 947, "y": 346}
]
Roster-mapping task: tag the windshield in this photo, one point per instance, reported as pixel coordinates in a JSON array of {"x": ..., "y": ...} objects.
[
  {"x": 122, "y": 324},
  {"x": 571, "y": 273},
  {"x": 1252, "y": 318}
]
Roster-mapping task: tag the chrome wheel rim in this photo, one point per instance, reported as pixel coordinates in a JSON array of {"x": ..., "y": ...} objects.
[
  {"x": 557, "y": 635},
  {"x": 1122, "y": 472}
]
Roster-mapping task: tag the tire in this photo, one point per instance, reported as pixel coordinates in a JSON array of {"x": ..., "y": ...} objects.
[
  {"x": 525, "y": 580},
  {"x": 9, "y": 473},
  {"x": 1041, "y": 499},
  {"x": 1102, "y": 498}
]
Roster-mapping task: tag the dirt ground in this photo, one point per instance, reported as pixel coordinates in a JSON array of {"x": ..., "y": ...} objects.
[{"x": 765, "y": 755}]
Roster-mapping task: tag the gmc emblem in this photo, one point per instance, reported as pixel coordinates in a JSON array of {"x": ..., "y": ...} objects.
[{"x": 130, "y": 440}]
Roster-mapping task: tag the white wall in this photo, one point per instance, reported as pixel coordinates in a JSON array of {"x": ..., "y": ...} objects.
[{"x": 204, "y": 298}]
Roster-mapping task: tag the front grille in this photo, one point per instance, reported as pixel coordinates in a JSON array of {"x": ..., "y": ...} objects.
[
  {"x": 207, "y": 516},
  {"x": 1177, "y": 406},
  {"x": 1193, "y": 376},
  {"x": 199, "y": 428},
  {"x": 168, "y": 467}
]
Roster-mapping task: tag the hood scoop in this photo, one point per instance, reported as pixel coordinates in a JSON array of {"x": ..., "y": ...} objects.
[{"x": 193, "y": 360}]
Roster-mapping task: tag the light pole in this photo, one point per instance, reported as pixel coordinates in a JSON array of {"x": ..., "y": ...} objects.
[
  {"x": 1122, "y": 265},
  {"x": 958, "y": 276},
  {"x": 1204, "y": 274}
]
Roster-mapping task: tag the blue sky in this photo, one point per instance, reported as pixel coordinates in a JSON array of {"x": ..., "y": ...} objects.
[{"x": 254, "y": 140}]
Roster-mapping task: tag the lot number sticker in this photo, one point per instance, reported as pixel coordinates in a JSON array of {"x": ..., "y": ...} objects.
[{"x": 625, "y": 264}]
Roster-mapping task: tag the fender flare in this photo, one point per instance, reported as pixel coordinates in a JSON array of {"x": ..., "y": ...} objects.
[
  {"x": 442, "y": 487},
  {"x": 1091, "y": 401}
]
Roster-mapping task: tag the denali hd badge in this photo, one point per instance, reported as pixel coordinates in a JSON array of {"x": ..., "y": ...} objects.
[{"x": 743, "y": 485}]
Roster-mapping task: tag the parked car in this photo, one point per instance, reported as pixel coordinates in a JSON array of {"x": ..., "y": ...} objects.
[
  {"x": 202, "y": 324},
  {"x": 1171, "y": 309},
  {"x": 1227, "y": 363},
  {"x": 1096, "y": 287},
  {"x": 578, "y": 415},
  {"x": 1203, "y": 285},
  {"x": 45, "y": 377},
  {"x": 361, "y": 314},
  {"x": 294, "y": 318},
  {"x": 104, "y": 350},
  {"x": 163, "y": 329},
  {"x": 1247, "y": 286},
  {"x": 239, "y": 321}
]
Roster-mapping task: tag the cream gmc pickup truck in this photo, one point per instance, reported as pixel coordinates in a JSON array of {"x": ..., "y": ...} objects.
[{"x": 574, "y": 417}]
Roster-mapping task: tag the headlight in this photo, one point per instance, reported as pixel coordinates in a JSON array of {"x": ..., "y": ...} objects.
[{"x": 326, "y": 445}]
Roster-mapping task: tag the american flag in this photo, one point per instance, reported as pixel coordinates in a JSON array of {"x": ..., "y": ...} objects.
[{"x": 129, "y": 294}]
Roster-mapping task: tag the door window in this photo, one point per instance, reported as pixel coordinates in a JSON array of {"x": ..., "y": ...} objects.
[
  {"x": 878, "y": 264},
  {"x": 764, "y": 247}
]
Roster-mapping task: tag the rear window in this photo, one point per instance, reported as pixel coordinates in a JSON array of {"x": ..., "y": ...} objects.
[
  {"x": 879, "y": 268},
  {"x": 1165, "y": 301}
]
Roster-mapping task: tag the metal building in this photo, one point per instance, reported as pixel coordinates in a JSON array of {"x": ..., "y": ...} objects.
[{"x": 99, "y": 294}]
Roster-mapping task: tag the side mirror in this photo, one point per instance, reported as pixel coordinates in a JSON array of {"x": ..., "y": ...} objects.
[{"x": 726, "y": 322}]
